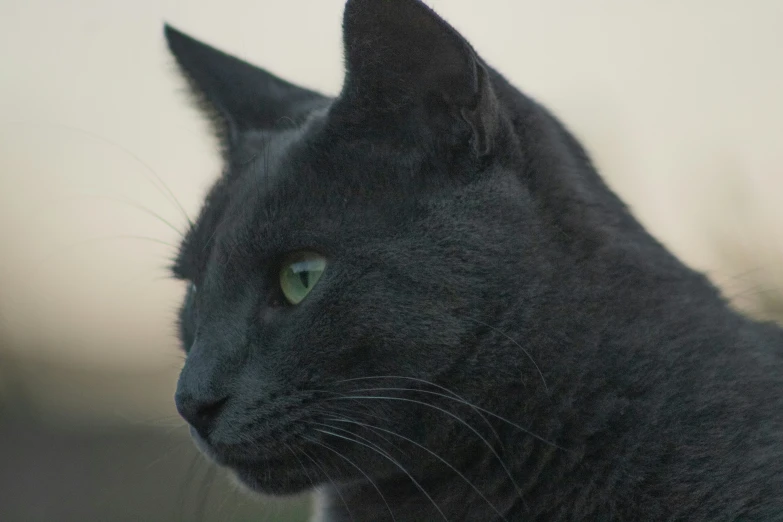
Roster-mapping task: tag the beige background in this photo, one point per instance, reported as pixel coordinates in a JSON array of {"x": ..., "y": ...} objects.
[{"x": 679, "y": 101}]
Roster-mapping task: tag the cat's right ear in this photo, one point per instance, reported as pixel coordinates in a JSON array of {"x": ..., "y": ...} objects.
[{"x": 238, "y": 96}]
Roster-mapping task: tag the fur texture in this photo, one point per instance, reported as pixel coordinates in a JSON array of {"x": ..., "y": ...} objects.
[{"x": 495, "y": 337}]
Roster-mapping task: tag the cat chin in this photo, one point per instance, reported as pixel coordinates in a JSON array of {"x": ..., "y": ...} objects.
[
  {"x": 275, "y": 484},
  {"x": 278, "y": 477}
]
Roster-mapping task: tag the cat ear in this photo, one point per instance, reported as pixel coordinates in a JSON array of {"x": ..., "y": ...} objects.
[
  {"x": 241, "y": 96},
  {"x": 400, "y": 54}
]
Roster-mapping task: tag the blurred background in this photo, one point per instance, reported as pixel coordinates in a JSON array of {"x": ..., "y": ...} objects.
[{"x": 679, "y": 103}]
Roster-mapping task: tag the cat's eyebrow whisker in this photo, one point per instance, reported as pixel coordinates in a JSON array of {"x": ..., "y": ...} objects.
[
  {"x": 722, "y": 279},
  {"x": 98, "y": 240},
  {"x": 421, "y": 446},
  {"x": 757, "y": 290},
  {"x": 375, "y": 448},
  {"x": 352, "y": 463},
  {"x": 458, "y": 419},
  {"x": 135, "y": 205},
  {"x": 516, "y": 343},
  {"x": 329, "y": 478},
  {"x": 156, "y": 180},
  {"x": 479, "y": 408},
  {"x": 39, "y": 263}
]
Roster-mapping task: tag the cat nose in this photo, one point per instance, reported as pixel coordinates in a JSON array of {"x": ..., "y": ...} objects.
[{"x": 201, "y": 413}]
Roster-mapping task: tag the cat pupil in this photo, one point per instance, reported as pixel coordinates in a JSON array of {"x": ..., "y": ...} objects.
[{"x": 304, "y": 277}]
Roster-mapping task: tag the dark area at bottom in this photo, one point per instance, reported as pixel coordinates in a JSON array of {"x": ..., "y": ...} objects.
[{"x": 120, "y": 474}]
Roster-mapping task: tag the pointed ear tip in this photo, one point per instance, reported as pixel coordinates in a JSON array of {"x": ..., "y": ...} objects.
[
  {"x": 173, "y": 35},
  {"x": 379, "y": 3},
  {"x": 361, "y": 8},
  {"x": 366, "y": 15}
]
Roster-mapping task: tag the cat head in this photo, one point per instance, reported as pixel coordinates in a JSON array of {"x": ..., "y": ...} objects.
[{"x": 370, "y": 240}]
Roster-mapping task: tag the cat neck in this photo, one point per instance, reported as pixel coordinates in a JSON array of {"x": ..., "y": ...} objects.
[
  {"x": 566, "y": 399},
  {"x": 590, "y": 402}
]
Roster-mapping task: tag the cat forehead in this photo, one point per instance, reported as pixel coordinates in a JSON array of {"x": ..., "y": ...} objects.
[
  {"x": 284, "y": 183},
  {"x": 321, "y": 159}
]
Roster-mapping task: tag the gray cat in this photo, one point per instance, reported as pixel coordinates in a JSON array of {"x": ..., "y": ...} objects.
[{"x": 420, "y": 299}]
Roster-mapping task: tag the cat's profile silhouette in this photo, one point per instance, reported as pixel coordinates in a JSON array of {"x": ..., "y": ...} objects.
[{"x": 420, "y": 298}]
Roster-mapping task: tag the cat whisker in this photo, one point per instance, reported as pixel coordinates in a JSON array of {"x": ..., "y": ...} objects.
[
  {"x": 476, "y": 407},
  {"x": 156, "y": 421},
  {"x": 363, "y": 410},
  {"x": 514, "y": 341},
  {"x": 135, "y": 205},
  {"x": 455, "y": 417},
  {"x": 171, "y": 429},
  {"x": 722, "y": 280},
  {"x": 368, "y": 441},
  {"x": 166, "y": 455},
  {"x": 38, "y": 264},
  {"x": 756, "y": 291},
  {"x": 332, "y": 393},
  {"x": 352, "y": 463},
  {"x": 182, "y": 497},
  {"x": 209, "y": 240},
  {"x": 452, "y": 395},
  {"x": 163, "y": 188},
  {"x": 329, "y": 478},
  {"x": 526, "y": 431},
  {"x": 222, "y": 505},
  {"x": 343, "y": 419},
  {"x": 304, "y": 469},
  {"x": 421, "y": 446},
  {"x": 203, "y": 492},
  {"x": 375, "y": 448},
  {"x": 97, "y": 240}
]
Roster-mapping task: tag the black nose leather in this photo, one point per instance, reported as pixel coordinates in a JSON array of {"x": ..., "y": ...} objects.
[{"x": 200, "y": 413}]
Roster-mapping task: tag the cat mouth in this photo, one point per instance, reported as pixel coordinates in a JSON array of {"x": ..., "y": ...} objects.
[
  {"x": 282, "y": 475},
  {"x": 284, "y": 478},
  {"x": 288, "y": 472}
]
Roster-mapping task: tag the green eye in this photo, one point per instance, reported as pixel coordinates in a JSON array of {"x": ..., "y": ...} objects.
[{"x": 299, "y": 275}]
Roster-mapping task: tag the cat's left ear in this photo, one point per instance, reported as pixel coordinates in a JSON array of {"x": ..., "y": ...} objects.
[
  {"x": 401, "y": 56},
  {"x": 241, "y": 96}
]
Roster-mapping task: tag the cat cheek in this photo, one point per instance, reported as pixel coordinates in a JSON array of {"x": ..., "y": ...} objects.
[
  {"x": 269, "y": 314},
  {"x": 272, "y": 312}
]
